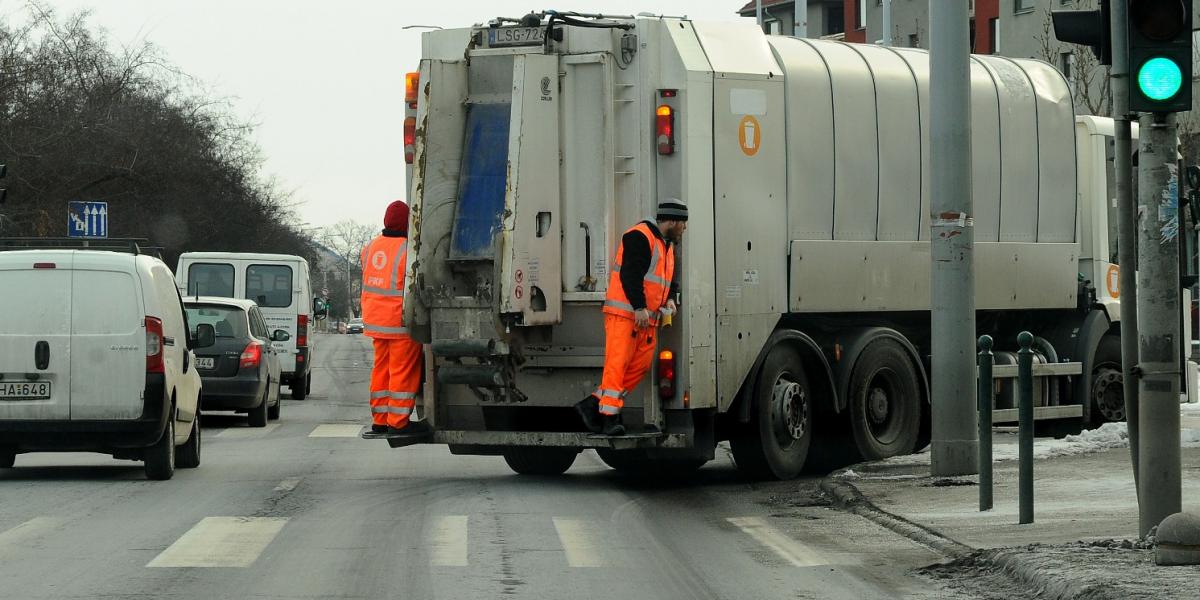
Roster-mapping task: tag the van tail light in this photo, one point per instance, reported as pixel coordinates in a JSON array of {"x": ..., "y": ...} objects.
[
  {"x": 252, "y": 355},
  {"x": 410, "y": 139},
  {"x": 412, "y": 82},
  {"x": 664, "y": 127},
  {"x": 666, "y": 375},
  {"x": 302, "y": 331},
  {"x": 154, "y": 345}
]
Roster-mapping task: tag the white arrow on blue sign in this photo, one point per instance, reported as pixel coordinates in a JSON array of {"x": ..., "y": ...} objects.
[{"x": 87, "y": 219}]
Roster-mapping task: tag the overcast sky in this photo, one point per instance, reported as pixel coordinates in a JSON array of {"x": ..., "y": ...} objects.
[{"x": 324, "y": 80}]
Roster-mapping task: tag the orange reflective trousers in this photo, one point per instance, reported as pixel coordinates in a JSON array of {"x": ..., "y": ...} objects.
[
  {"x": 395, "y": 381},
  {"x": 627, "y": 355}
]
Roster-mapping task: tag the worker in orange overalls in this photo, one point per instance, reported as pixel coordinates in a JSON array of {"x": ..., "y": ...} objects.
[
  {"x": 396, "y": 376},
  {"x": 640, "y": 292}
]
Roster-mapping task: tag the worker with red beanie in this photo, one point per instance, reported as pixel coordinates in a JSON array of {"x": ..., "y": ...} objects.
[{"x": 396, "y": 376}]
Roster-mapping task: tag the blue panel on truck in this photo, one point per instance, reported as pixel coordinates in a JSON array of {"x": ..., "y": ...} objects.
[{"x": 484, "y": 176}]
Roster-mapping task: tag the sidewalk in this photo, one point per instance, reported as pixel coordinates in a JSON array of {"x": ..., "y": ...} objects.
[{"x": 1084, "y": 500}]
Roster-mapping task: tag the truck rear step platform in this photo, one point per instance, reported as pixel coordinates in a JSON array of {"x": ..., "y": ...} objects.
[{"x": 546, "y": 438}]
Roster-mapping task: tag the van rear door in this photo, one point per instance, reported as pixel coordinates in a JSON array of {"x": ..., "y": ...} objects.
[
  {"x": 35, "y": 323},
  {"x": 108, "y": 368},
  {"x": 274, "y": 286}
]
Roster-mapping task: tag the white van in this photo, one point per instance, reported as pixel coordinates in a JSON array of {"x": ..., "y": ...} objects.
[
  {"x": 279, "y": 284},
  {"x": 95, "y": 356}
]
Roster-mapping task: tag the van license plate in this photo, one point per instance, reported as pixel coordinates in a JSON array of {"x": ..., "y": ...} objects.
[
  {"x": 25, "y": 390},
  {"x": 499, "y": 37},
  {"x": 205, "y": 362}
]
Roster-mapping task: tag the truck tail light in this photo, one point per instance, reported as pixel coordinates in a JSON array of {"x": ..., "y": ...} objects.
[
  {"x": 252, "y": 355},
  {"x": 666, "y": 375},
  {"x": 301, "y": 331},
  {"x": 664, "y": 127},
  {"x": 412, "y": 82},
  {"x": 154, "y": 345},
  {"x": 410, "y": 139}
]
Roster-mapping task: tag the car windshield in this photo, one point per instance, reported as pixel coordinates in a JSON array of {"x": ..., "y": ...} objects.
[
  {"x": 356, "y": 321},
  {"x": 228, "y": 321}
]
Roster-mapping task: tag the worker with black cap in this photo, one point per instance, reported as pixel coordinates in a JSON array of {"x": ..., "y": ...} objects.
[{"x": 640, "y": 292}]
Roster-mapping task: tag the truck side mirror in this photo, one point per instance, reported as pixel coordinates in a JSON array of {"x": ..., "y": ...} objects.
[
  {"x": 320, "y": 309},
  {"x": 206, "y": 336}
]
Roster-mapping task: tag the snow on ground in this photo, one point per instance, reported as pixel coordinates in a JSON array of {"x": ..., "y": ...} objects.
[{"x": 1108, "y": 436}]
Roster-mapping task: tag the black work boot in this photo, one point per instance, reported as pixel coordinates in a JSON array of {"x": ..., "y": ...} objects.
[
  {"x": 376, "y": 428},
  {"x": 612, "y": 425},
  {"x": 589, "y": 411},
  {"x": 413, "y": 428}
]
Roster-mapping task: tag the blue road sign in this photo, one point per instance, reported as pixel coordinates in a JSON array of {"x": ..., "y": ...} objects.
[{"x": 87, "y": 219}]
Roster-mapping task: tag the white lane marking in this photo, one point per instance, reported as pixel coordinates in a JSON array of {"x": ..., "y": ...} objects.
[
  {"x": 288, "y": 485},
  {"x": 18, "y": 537},
  {"x": 576, "y": 536},
  {"x": 339, "y": 430},
  {"x": 785, "y": 547},
  {"x": 221, "y": 542},
  {"x": 448, "y": 541},
  {"x": 247, "y": 432}
]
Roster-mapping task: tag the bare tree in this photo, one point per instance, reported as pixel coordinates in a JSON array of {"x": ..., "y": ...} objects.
[{"x": 347, "y": 239}]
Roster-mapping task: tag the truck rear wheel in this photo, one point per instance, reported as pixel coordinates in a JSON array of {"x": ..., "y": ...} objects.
[
  {"x": 774, "y": 444},
  {"x": 8, "y": 458},
  {"x": 885, "y": 401},
  {"x": 299, "y": 387},
  {"x": 540, "y": 461}
]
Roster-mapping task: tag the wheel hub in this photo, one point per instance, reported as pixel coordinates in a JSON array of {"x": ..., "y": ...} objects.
[
  {"x": 878, "y": 405},
  {"x": 790, "y": 403},
  {"x": 1108, "y": 394}
]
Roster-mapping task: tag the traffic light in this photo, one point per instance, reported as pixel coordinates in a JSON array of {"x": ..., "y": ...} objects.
[
  {"x": 1160, "y": 55},
  {"x": 1086, "y": 28}
]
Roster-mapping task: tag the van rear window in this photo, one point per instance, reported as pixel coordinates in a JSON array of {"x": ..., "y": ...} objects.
[
  {"x": 210, "y": 279},
  {"x": 269, "y": 285}
]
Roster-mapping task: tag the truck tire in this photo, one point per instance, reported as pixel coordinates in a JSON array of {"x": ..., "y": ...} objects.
[
  {"x": 540, "y": 461},
  {"x": 258, "y": 414},
  {"x": 160, "y": 458},
  {"x": 8, "y": 458},
  {"x": 635, "y": 463},
  {"x": 187, "y": 456},
  {"x": 1108, "y": 392},
  {"x": 775, "y": 443},
  {"x": 884, "y": 401}
]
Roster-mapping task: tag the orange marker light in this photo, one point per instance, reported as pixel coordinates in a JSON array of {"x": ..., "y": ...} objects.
[
  {"x": 664, "y": 129},
  {"x": 412, "y": 81}
]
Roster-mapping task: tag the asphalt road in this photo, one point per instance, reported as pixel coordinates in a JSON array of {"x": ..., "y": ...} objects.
[{"x": 305, "y": 509}]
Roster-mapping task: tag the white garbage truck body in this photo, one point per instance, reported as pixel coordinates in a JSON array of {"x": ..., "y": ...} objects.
[{"x": 805, "y": 269}]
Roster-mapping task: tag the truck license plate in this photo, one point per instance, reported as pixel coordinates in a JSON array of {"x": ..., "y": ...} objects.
[
  {"x": 499, "y": 37},
  {"x": 203, "y": 362},
  {"x": 24, "y": 390}
]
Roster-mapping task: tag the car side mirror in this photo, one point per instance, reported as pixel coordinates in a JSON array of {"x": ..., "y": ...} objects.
[
  {"x": 280, "y": 336},
  {"x": 206, "y": 335}
]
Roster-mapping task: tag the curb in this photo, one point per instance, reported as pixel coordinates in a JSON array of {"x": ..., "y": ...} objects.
[{"x": 1044, "y": 582}]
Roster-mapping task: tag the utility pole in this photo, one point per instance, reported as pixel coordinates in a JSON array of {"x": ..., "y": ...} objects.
[
  {"x": 801, "y": 18},
  {"x": 758, "y": 12},
  {"x": 1126, "y": 221},
  {"x": 1159, "y": 481},
  {"x": 887, "y": 23},
  {"x": 955, "y": 442}
]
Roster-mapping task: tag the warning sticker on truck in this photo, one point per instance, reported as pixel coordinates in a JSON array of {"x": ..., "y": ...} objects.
[{"x": 750, "y": 277}]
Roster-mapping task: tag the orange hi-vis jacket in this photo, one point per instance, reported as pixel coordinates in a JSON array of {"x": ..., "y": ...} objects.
[
  {"x": 383, "y": 263},
  {"x": 656, "y": 283}
]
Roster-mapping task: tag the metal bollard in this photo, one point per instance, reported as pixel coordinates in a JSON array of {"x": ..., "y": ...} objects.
[
  {"x": 985, "y": 362},
  {"x": 1025, "y": 433}
]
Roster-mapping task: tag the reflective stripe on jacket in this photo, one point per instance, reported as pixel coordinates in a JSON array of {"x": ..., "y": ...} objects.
[
  {"x": 383, "y": 263},
  {"x": 656, "y": 283}
]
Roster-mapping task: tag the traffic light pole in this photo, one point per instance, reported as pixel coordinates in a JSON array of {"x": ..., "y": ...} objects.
[
  {"x": 1159, "y": 481},
  {"x": 1126, "y": 221},
  {"x": 954, "y": 444}
]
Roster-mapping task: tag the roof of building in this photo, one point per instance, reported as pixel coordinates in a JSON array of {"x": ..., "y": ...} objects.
[{"x": 749, "y": 8}]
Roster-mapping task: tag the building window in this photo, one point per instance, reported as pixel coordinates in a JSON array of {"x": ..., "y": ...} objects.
[
  {"x": 1023, "y": 6},
  {"x": 773, "y": 27},
  {"x": 1065, "y": 61},
  {"x": 861, "y": 18},
  {"x": 835, "y": 20},
  {"x": 994, "y": 34},
  {"x": 914, "y": 40}
]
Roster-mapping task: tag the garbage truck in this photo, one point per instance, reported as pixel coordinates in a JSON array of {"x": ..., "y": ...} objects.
[{"x": 803, "y": 325}]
